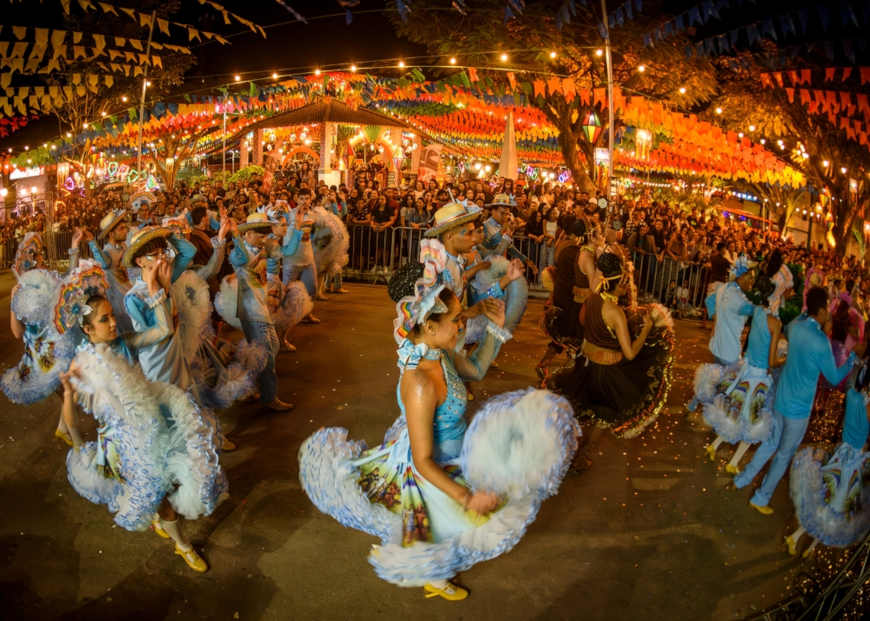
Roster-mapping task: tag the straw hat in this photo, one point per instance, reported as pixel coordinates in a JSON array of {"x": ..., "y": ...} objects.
[
  {"x": 139, "y": 199},
  {"x": 140, "y": 238},
  {"x": 451, "y": 216},
  {"x": 256, "y": 221},
  {"x": 501, "y": 200},
  {"x": 111, "y": 220}
]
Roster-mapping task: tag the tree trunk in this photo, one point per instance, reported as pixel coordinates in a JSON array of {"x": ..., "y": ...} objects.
[{"x": 570, "y": 152}]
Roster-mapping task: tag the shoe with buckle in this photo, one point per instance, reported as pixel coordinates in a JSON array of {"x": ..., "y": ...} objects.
[
  {"x": 62, "y": 435},
  {"x": 762, "y": 509},
  {"x": 193, "y": 559},
  {"x": 451, "y": 592},
  {"x": 711, "y": 452}
]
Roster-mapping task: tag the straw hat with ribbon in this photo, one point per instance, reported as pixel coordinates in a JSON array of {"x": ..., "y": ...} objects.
[
  {"x": 140, "y": 238},
  {"x": 111, "y": 220},
  {"x": 451, "y": 216},
  {"x": 256, "y": 222},
  {"x": 501, "y": 200}
]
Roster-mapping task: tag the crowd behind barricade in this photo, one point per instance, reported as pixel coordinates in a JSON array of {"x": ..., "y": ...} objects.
[{"x": 677, "y": 251}]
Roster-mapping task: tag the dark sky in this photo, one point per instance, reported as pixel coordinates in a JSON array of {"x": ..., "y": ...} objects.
[
  {"x": 326, "y": 39},
  {"x": 290, "y": 45}
]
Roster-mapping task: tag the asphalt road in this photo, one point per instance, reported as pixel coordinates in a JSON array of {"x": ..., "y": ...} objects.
[{"x": 647, "y": 532}]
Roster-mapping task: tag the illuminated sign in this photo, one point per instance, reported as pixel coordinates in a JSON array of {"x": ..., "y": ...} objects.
[{"x": 26, "y": 173}]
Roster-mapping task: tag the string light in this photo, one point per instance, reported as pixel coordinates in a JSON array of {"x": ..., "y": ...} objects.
[
  {"x": 825, "y": 163},
  {"x": 641, "y": 68},
  {"x": 682, "y": 90},
  {"x": 124, "y": 98},
  {"x": 353, "y": 68},
  {"x": 718, "y": 110},
  {"x": 237, "y": 77},
  {"x": 752, "y": 128},
  {"x": 452, "y": 60},
  {"x": 503, "y": 58},
  {"x": 274, "y": 75},
  {"x": 599, "y": 52},
  {"x": 317, "y": 72},
  {"x": 401, "y": 64},
  {"x": 843, "y": 170},
  {"x": 553, "y": 54}
]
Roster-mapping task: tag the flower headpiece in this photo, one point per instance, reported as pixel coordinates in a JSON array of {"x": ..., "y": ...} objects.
[
  {"x": 30, "y": 253},
  {"x": 783, "y": 280},
  {"x": 740, "y": 267},
  {"x": 71, "y": 307},
  {"x": 413, "y": 310}
]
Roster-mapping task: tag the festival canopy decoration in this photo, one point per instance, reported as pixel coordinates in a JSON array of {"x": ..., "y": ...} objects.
[{"x": 470, "y": 116}]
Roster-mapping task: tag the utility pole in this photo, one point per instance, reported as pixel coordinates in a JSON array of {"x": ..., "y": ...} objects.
[
  {"x": 609, "y": 96},
  {"x": 144, "y": 87}
]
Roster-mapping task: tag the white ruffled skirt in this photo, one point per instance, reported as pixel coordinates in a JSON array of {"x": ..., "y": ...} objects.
[{"x": 519, "y": 445}]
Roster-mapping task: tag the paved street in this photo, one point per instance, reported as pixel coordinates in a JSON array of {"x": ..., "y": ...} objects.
[{"x": 648, "y": 532}]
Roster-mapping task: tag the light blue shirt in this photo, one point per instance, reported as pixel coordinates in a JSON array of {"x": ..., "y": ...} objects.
[
  {"x": 758, "y": 346},
  {"x": 252, "y": 305},
  {"x": 732, "y": 309},
  {"x": 809, "y": 353},
  {"x": 162, "y": 361}
]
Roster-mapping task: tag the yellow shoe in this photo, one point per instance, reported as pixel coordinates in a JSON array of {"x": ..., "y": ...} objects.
[
  {"x": 63, "y": 436},
  {"x": 452, "y": 593},
  {"x": 711, "y": 452},
  {"x": 157, "y": 528},
  {"x": 808, "y": 552},
  {"x": 732, "y": 469},
  {"x": 792, "y": 545},
  {"x": 193, "y": 560},
  {"x": 763, "y": 510}
]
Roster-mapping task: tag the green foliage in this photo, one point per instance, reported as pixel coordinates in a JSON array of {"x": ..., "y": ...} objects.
[{"x": 244, "y": 175}]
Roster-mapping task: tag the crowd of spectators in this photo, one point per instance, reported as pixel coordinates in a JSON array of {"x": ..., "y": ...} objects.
[{"x": 665, "y": 237}]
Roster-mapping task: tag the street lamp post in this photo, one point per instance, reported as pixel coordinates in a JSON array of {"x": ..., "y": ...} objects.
[
  {"x": 609, "y": 63},
  {"x": 144, "y": 87}
]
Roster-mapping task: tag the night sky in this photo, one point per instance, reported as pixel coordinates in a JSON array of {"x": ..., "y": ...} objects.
[{"x": 326, "y": 41}]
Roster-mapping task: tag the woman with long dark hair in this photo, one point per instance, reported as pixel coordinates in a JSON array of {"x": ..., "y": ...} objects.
[{"x": 623, "y": 377}]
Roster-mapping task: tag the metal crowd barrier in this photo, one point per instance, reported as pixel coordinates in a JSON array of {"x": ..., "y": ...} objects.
[
  {"x": 57, "y": 246},
  {"x": 374, "y": 255},
  {"x": 673, "y": 283}
]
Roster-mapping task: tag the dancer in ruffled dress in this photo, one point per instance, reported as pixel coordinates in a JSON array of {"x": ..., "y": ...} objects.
[
  {"x": 730, "y": 312},
  {"x": 831, "y": 498},
  {"x": 443, "y": 496},
  {"x": 156, "y": 454},
  {"x": 741, "y": 412},
  {"x": 47, "y": 353},
  {"x": 623, "y": 378},
  {"x": 252, "y": 304}
]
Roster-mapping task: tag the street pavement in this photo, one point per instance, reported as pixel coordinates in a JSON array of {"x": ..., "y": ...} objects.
[{"x": 647, "y": 532}]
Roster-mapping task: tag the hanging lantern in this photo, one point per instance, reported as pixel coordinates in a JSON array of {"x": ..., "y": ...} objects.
[{"x": 592, "y": 127}]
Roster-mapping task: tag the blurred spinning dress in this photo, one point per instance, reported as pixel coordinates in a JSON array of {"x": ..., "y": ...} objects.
[{"x": 519, "y": 446}]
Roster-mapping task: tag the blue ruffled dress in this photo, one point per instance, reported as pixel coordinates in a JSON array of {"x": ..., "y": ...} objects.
[
  {"x": 47, "y": 353},
  {"x": 830, "y": 497},
  {"x": 741, "y": 406},
  {"x": 153, "y": 442},
  {"x": 519, "y": 446}
]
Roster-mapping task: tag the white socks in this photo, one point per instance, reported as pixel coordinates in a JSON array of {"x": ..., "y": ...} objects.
[{"x": 173, "y": 531}]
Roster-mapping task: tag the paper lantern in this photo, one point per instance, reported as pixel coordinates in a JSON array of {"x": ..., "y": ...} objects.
[{"x": 592, "y": 127}]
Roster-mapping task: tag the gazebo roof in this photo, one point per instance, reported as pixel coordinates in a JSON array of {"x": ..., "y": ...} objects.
[{"x": 327, "y": 110}]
